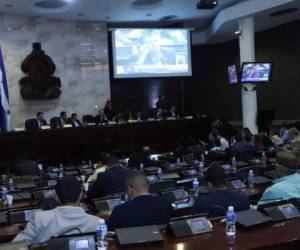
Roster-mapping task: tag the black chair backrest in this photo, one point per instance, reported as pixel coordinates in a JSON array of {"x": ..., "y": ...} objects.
[
  {"x": 30, "y": 124},
  {"x": 88, "y": 119}
]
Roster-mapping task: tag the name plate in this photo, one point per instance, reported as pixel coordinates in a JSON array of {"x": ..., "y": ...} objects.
[
  {"x": 19, "y": 129},
  {"x": 67, "y": 125},
  {"x": 45, "y": 127}
]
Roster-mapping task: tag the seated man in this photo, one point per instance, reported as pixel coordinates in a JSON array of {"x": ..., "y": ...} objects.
[
  {"x": 68, "y": 218},
  {"x": 222, "y": 144},
  {"x": 101, "y": 118},
  {"x": 217, "y": 201},
  {"x": 142, "y": 209},
  {"x": 136, "y": 159},
  {"x": 288, "y": 183},
  {"x": 109, "y": 182},
  {"x": 26, "y": 167},
  {"x": 74, "y": 121},
  {"x": 40, "y": 120}
]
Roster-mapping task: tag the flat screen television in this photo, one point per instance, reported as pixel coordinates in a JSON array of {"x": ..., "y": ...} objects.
[
  {"x": 257, "y": 72},
  {"x": 151, "y": 52},
  {"x": 232, "y": 74}
]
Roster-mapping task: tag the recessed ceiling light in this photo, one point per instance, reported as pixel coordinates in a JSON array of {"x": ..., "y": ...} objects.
[
  {"x": 237, "y": 32},
  {"x": 148, "y": 14},
  {"x": 80, "y": 14},
  {"x": 107, "y": 17},
  {"x": 8, "y": 5}
]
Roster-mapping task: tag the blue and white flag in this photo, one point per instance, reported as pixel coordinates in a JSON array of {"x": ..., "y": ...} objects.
[{"x": 4, "y": 105}]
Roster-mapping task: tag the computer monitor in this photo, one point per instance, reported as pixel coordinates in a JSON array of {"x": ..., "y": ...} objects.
[{"x": 256, "y": 72}]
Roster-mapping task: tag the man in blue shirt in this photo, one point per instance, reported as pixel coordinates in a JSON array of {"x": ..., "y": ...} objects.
[
  {"x": 217, "y": 201},
  {"x": 287, "y": 185},
  {"x": 142, "y": 209}
]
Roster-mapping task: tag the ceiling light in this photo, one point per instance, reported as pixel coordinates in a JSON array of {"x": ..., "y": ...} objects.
[
  {"x": 237, "y": 32},
  {"x": 8, "y": 5}
]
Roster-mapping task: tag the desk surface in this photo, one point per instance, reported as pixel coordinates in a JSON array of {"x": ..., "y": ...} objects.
[{"x": 73, "y": 143}]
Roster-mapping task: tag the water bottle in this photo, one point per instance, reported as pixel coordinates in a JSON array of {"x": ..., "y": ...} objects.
[
  {"x": 4, "y": 194},
  {"x": 142, "y": 167},
  {"x": 178, "y": 161},
  {"x": 90, "y": 164},
  {"x": 251, "y": 179},
  {"x": 101, "y": 233},
  {"x": 230, "y": 229},
  {"x": 263, "y": 160},
  {"x": 61, "y": 170},
  {"x": 233, "y": 165},
  {"x": 201, "y": 166},
  {"x": 11, "y": 184},
  {"x": 159, "y": 173},
  {"x": 203, "y": 159},
  {"x": 196, "y": 186}
]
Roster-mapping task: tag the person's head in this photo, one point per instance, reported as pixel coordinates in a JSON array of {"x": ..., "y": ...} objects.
[
  {"x": 146, "y": 151},
  {"x": 293, "y": 133},
  {"x": 63, "y": 115},
  {"x": 39, "y": 115},
  {"x": 215, "y": 177},
  {"x": 74, "y": 116},
  {"x": 286, "y": 164},
  {"x": 111, "y": 161},
  {"x": 213, "y": 136},
  {"x": 108, "y": 104},
  {"x": 101, "y": 111},
  {"x": 68, "y": 191},
  {"x": 136, "y": 184},
  {"x": 161, "y": 97}
]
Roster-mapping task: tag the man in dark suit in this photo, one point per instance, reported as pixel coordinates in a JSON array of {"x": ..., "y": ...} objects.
[
  {"x": 109, "y": 182},
  {"x": 59, "y": 122},
  {"x": 26, "y": 167},
  {"x": 217, "y": 201},
  {"x": 142, "y": 209},
  {"x": 101, "y": 118},
  {"x": 74, "y": 121},
  {"x": 40, "y": 121}
]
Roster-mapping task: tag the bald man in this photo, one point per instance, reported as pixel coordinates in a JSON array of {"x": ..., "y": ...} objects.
[{"x": 142, "y": 209}]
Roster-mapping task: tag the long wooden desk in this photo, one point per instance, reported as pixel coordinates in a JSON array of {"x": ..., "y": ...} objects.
[
  {"x": 283, "y": 236},
  {"x": 76, "y": 143}
]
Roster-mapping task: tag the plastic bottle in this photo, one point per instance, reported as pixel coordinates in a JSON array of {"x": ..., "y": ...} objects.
[
  {"x": 61, "y": 170},
  {"x": 233, "y": 165},
  {"x": 178, "y": 161},
  {"x": 230, "y": 229},
  {"x": 251, "y": 179},
  {"x": 142, "y": 167},
  {"x": 159, "y": 173},
  {"x": 196, "y": 186},
  {"x": 101, "y": 233},
  {"x": 263, "y": 160},
  {"x": 11, "y": 184}
]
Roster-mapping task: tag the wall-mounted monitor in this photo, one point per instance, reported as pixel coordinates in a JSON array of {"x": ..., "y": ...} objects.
[
  {"x": 151, "y": 53},
  {"x": 232, "y": 74},
  {"x": 256, "y": 72}
]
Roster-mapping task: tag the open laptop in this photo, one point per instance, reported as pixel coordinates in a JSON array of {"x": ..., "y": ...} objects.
[
  {"x": 21, "y": 245},
  {"x": 139, "y": 235},
  {"x": 107, "y": 204},
  {"x": 251, "y": 217},
  {"x": 282, "y": 212},
  {"x": 80, "y": 242}
]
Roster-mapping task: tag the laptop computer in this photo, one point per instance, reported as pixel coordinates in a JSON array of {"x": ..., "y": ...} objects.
[
  {"x": 237, "y": 184},
  {"x": 108, "y": 204},
  {"x": 189, "y": 172},
  {"x": 21, "y": 245},
  {"x": 170, "y": 176},
  {"x": 162, "y": 185},
  {"x": 25, "y": 185},
  {"x": 282, "y": 212},
  {"x": 251, "y": 217},
  {"x": 139, "y": 235}
]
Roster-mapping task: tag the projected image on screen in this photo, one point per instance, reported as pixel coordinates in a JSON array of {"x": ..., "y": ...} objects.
[
  {"x": 151, "y": 52},
  {"x": 232, "y": 74},
  {"x": 256, "y": 72}
]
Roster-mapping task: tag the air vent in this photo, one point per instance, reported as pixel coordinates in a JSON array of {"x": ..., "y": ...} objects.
[
  {"x": 51, "y": 4},
  {"x": 146, "y": 4},
  {"x": 284, "y": 12}
]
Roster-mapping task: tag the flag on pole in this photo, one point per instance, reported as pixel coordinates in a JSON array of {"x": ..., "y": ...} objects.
[{"x": 4, "y": 105}]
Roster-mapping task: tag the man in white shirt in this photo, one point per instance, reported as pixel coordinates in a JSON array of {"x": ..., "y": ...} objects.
[
  {"x": 223, "y": 143},
  {"x": 68, "y": 218}
]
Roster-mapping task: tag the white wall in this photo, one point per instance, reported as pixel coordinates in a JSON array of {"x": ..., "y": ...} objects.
[{"x": 79, "y": 50}]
